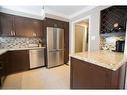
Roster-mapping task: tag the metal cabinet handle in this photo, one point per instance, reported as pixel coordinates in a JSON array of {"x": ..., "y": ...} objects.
[
  {"x": 11, "y": 32},
  {"x": 14, "y": 33}
]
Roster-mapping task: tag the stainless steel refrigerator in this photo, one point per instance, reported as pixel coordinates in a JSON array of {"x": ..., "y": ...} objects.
[{"x": 55, "y": 47}]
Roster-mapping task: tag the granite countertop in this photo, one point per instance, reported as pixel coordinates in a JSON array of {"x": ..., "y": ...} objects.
[
  {"x": 107, "y": 59},
  {"x": 2, "y": 51}
]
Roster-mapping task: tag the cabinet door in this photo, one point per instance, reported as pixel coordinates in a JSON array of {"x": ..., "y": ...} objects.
[
  {"x": 36, "y": 27},
  {"x": 22, "y": 27},
  {"x": 18, "y": 61},
  {"x": 85, "y": 75},
  {"x": 3, "y": 62},
  {"x": 27, "y": 27},
  {"x": 6, "y": 24}
]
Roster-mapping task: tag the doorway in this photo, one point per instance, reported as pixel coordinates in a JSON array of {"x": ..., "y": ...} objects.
[{"x": 81, "y": 35}]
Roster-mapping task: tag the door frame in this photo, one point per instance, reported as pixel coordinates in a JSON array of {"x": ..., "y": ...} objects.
[{"x": 72, "y": 33}]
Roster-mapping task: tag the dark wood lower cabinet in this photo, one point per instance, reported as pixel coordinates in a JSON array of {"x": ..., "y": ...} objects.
[
  {"x": 85, "y": 75},
  {"x": 13, "y": 62},
  {"x": 18, "y": 61},
  {"x": 3, "y": 62}
]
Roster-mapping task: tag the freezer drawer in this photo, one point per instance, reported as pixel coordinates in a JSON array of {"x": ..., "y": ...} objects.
[
  {"x": 55, "y": 58},
  {"x": 36, "y": 58}
]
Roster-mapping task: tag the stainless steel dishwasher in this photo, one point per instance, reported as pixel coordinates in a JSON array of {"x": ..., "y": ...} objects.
[{"x": 36, "y": 57}]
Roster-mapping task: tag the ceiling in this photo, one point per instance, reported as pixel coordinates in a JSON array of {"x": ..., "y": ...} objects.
[
  {"x": 62, "y": 11},
  {"x": 65, "y": 11}
]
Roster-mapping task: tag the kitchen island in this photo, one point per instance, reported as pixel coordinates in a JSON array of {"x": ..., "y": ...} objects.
[{"x": 98, "y": 70}]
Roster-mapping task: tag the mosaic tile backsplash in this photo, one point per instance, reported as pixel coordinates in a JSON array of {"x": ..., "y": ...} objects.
[
  {"x": 109, "y": 43},
  {"x": 15, "y": 42}
]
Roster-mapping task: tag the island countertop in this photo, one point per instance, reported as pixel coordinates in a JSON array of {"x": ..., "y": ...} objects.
[{"x": 107, "y": 59}]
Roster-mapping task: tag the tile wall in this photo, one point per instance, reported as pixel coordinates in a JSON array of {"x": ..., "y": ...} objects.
[
  {"x": 109, "y": 43},
  {"x": 15, "y": 42}
]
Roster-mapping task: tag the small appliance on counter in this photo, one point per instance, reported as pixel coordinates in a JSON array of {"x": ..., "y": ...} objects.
[{"x": 120, "y": 46}]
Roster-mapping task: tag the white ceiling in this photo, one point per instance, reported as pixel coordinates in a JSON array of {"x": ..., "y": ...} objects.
[
  {"x": 67, "y": 11},
  {"x": 62, "y": 11}
]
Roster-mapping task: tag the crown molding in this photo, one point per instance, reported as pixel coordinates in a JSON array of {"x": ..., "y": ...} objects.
[
  {"x": 19, "y": 13},
  {"x": 48, "y": 11},
  {"x": 82, "y": 11}
]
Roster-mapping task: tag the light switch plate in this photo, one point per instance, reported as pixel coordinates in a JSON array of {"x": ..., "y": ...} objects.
[{"x": 93, "y": 38}]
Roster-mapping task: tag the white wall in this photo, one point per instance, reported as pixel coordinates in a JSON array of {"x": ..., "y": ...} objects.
[
  {"x": 94, "y": 17},
  {"x": 125, "y": 50}
]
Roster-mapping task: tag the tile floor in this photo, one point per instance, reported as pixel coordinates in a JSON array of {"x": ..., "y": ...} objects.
[{"x": 42, "y": 78}]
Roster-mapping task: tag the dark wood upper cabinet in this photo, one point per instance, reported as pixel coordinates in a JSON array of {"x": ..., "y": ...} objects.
[
  {"x": 27, "y": 27},
  {"x": 20, "y": 26},
  {"x": 6, "y": 25},
  {"x": 17, "y": 26}
]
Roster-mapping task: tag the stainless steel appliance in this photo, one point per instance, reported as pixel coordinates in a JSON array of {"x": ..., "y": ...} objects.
[
  {"x": 36, "y": 58},
  {"x": 55, "y": 46},
  {"x": 120, "y": 46}
]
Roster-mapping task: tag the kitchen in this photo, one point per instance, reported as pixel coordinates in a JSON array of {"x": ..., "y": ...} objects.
[
  {"x": 28, "y": 43},
  {"x": 47, "y": 42}
]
